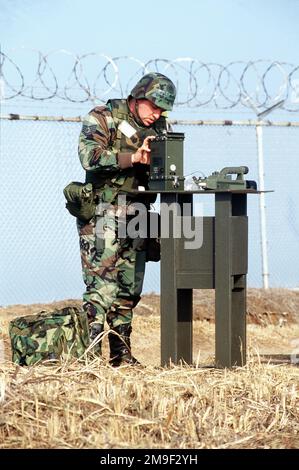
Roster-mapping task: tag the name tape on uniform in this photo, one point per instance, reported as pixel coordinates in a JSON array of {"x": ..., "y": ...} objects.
[{"x": 127, "y": 129}]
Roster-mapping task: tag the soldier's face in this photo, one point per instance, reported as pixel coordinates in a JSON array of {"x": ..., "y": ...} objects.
[{"x": 148, "y": 112}]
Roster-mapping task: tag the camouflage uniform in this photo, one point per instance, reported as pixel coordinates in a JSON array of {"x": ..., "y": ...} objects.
[
  {"x": 113, "y": 269},
  {"x": 113, "y": 272}
]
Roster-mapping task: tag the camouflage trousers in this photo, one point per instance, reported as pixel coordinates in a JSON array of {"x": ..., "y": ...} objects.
[{"x": 113, "y": 270}]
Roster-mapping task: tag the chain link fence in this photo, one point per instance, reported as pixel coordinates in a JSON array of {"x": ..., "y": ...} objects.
[{"x": 39, "y": 247}]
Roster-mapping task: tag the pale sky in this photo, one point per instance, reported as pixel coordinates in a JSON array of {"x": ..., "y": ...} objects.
[{"x": 209, "y": 30}]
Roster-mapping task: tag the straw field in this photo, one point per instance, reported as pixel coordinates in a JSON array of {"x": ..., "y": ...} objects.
[{"x": 88, "y": 404}]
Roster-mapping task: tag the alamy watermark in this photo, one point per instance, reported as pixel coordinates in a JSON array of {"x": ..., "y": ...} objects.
[
  {"x": 2, "y": 388},
  {"x": 295, "y": 91},
  {"x": 295, "y": 351},
  {"x": 1, "y": 351},
  {"x": 131, "y": 220}
]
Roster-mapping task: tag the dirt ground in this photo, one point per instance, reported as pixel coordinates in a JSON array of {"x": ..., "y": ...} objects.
[{"x": 264, "y": 307}]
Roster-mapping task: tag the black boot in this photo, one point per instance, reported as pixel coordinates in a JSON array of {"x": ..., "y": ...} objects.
[
  {"x": 120, "y": 346},
  {"x": 95, "y": 330}
]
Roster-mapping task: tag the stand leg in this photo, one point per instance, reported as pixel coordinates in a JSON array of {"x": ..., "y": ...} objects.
[
  {"x": 176, "y": 304},
  {"x": 230, "y": 289},
  {"x": 239, "y": 346}
]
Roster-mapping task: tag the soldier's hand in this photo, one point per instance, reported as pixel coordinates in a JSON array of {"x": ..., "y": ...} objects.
[{"x": 143, "y": 153}]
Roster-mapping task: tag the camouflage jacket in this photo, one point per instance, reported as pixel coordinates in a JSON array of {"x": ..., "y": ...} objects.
[{"x": 105, "y": 151}]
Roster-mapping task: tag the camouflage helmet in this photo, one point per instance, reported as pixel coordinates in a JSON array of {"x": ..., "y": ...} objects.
[{"x": 156, "y": 88}]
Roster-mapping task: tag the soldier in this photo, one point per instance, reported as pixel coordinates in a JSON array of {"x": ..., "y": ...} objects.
[{"x": 114, "y": 149}]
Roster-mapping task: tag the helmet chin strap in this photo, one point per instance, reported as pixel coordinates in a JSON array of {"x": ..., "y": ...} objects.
[{"x": 136, "y": 113}]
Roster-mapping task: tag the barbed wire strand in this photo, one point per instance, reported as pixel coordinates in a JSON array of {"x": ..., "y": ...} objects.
[{"x": 174, "y": 122}]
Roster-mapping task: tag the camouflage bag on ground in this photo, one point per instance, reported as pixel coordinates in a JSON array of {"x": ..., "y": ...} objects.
[{"x": 49, "y": 335}]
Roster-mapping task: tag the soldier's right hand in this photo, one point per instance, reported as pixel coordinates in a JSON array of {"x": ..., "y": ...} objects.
[{"x": 143, "y": 153}]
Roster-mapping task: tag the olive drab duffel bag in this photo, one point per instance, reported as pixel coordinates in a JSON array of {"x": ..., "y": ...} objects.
[{"x": 49, "y": 335}]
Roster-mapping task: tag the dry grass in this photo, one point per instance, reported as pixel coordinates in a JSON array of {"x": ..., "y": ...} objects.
[
  {"x": 91, "y": 405},
  {"x": 88, "y": 404}
]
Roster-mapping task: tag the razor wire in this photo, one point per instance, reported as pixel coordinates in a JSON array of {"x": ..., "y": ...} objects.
[{"x": 93, "y": 76}]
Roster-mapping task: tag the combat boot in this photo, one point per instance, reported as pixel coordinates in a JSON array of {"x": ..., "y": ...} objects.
[
  {"x": 120, "y": 346},
  {"x": 95, "y": 330}
]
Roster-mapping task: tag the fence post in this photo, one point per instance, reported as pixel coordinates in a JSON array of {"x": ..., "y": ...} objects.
[{"x": 262, "y": 204}]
